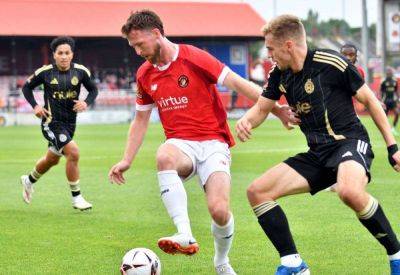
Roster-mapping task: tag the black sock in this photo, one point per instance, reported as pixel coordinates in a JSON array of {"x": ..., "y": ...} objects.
[
  {"x": 32, "y": 179},
  {"x": 75, "y": 193},
  {"x": 275, "y": 225},
  {"x": 34, "y": 176},
  {"x": 379, "y": 226}
]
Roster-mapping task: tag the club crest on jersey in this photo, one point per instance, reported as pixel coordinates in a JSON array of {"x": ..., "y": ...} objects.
[
  {"x": 74, "y": 81},
  {"x": 183, "y": 81},
  {"x": 309, "y": 86},
  {"x": 153, "y": 87}
]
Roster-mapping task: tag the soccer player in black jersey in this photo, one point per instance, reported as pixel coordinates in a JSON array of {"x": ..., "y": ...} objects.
[
  {"x": 62, "y": 82},
  {"x": 320, "y": 85},
  {"x": 390, "y": 96}
]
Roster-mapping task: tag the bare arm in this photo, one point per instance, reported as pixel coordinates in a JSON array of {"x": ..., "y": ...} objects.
[
  {"x": 367, "y": 97},
  {"x": 136, "y": 135},
  {"x": 254, "y": 117},
  {"x": 369, "y": 100},
  {"x": 252, "y": 91}
]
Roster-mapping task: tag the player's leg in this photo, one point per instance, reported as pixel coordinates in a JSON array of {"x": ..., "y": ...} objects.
[
  {"x": 71, "y": 153},
  {"x": 277, "y": 182},
  {"x": 173, "y": 165},
  {"x": 215, "y": 179},
  {"x": 42, "y": 166},
  {"x": 217, "y": 189},
  {"x": 395, "y": 121},
  {"x": 352, "y": 181}
]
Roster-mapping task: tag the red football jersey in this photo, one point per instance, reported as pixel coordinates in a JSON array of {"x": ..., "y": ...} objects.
[
  {"x": 186, "y": 96},
  {"x": 361, "y": 71}
]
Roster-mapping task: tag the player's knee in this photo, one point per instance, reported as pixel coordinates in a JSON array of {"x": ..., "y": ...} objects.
[
  {"x": 165, "y": 161},
  {"x": 219, "y": 212},
  {"x": 73, "y": 155},
  {"x": 347, "y": 194},
  {"x": 256, "y": 190}
]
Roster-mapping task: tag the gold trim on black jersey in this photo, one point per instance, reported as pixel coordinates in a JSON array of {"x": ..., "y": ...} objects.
[
  {"x": 329, "y": 128},
  {"x": 43, "y": 68},
  {"x": 50, "y": 117},
  {"x": 331, "y": 59},
  {"x": 282, "y": 88},
  {"x": 79, "y": 66}
]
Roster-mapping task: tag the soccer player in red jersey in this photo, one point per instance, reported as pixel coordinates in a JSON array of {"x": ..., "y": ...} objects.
[{"x": 180, "y": 80}]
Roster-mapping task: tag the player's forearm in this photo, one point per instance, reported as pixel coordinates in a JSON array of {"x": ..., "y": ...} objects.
[
  {"x": 378, "y": 115},
  {"x": 28, "y": 94},
  {"x": 92, "y": 93},
  {"x": 256, "y": 116},
  {"x": 136, "y": 135},
  {"x": 276, "y": 110},
  {"x": 247, "y": 88}
]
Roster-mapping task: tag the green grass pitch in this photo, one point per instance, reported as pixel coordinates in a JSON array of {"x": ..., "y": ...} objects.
[{"x": 49, "y": 236}]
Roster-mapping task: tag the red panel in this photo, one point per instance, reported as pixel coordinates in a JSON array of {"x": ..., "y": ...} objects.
[{"x": 105, "y": 18}]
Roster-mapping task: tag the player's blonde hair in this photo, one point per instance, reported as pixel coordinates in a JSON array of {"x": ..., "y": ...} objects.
[{"x": 285, "y": 26}]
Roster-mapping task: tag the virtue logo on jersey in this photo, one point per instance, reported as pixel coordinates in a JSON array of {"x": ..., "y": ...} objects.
[
  {"x": 70, "y": 94},
  {"x": 172, "y": 103},
  {"x": 183, "y": 81},
  {"x": 303, "y": 107}
]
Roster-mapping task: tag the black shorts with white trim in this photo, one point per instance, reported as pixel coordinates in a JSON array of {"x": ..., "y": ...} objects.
[
  {"x": 319, "y": 166},
  {"x": 58, "y": 135}
]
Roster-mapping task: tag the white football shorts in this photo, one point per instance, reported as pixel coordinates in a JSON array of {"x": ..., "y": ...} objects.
[{"x": 207, "y": 157}]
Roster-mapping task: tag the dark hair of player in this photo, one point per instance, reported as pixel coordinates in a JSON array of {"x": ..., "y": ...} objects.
[
  {"x": 142, "y": 20},
  {"x": 349, "y": 46},
  {"x": 62, "y": 40}
]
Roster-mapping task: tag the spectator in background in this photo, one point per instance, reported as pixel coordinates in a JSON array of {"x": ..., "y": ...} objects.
[{"x": 257, "y": 73}]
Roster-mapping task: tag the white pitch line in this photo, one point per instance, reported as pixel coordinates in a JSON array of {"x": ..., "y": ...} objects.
[{"x": 234, "y": 152}]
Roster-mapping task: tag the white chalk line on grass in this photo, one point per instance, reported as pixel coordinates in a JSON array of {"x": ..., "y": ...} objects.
[{"x": 234, "y": 152}]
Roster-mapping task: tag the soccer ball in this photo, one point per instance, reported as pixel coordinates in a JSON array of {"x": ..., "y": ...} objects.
[{"x": 140, "y": 261}]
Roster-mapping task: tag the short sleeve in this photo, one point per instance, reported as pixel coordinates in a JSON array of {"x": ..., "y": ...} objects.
[
  {"x": 352, "y": 79},
  {"x": 214, "y": 70},
  {"x": 144, "y": 102},
  {"x": 271, "y": 89}
]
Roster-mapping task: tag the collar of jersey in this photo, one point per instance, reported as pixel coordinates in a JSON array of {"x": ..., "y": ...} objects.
[{"x": 166, "y": 66}]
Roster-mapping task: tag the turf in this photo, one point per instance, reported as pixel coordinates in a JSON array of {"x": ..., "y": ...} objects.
[{"x": 49, "y": 237}]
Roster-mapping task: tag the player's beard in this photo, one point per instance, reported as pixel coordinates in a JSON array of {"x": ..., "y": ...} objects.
[{"x": 155, "y": 58}]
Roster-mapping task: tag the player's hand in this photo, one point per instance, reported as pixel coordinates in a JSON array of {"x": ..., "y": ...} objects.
[
  {"x": 288, "y": 117},
  {"x": 41, "y": 112},
  {"x": 394, "y": 157},
  {"x": 80, "y": 106},
  {"x": 116, "y": 172},
  {"x": 243, "y": 129}
]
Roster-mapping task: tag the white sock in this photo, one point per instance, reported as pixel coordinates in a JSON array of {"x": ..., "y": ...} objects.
[
  {"x": 223, "y": 237},
  {"x": 292, "y": 260},
  {"x": 394, "y": 256},
  {"x": 174, "y": 197}
]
